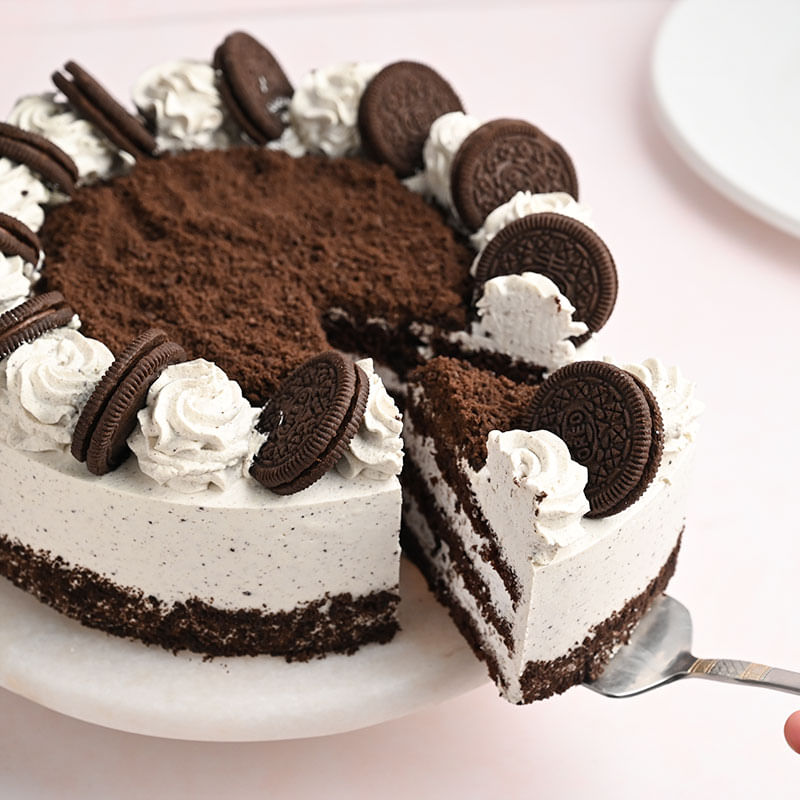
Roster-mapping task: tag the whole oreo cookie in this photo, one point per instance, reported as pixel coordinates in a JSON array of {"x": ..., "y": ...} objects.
[
  {"x": 17, "y": 239},
  {"x": 97, "y": 106},
  {"x": 397, "y": 110},
  {"x": 501, "y": 158},
  {"x": 109, "y": 416},
  {"x": 40, "y": 155},
  {"x": 253, "y": 87},
  {"x": 29, "y": 320},
  {"x": 309, "y": 422},
  {"x": 611, "y": 424},
  {"x": 568, "y": 252}
]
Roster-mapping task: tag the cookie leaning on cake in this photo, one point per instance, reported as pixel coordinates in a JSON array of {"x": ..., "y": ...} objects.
[{"x": 314, "y": 472}]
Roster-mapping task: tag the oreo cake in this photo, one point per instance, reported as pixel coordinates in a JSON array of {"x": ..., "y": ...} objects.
[{"x": 198, "y": 449}]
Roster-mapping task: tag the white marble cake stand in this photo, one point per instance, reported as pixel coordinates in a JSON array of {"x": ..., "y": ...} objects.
[{"x": 90, "y": 675}]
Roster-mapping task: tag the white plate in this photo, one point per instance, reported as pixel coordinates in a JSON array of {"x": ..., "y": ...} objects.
[
  {"x": 121, "y": 684},
  {"x": 726, "y": 76}
]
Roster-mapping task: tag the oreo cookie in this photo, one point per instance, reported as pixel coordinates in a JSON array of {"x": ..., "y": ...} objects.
[
  {"x": 253, "y": 86},
  {"x": 109, "y": 416},
  {"x": 40, "y": 155},
  {"x": 17, "y": 239},
  {"x": 309, "y": 422},
  {"x": 501, "y": 158},
  {"x": 95, "y": 104},
  {"x": 28, "y": 321},
  {"x": 397, "y": 110},
  {"x": 611, "y": 424},
  {"x": 565, "y": 250}
]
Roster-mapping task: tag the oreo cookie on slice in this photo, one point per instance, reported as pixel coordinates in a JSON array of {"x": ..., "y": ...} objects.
[
  {"x": 397, "y": 110},
  {"x": 40, "y": 155},
  {"x": 17, "y": 239},
  {"x": 109, "y": 416},
  {"x": 611, "y": 424},
  {"x": 501, "y": 158},
  {"x": 563, "y": 249},
  {"x": 309, "y": 422},
  {"x": 29, "y": 320},
  {"x": 253, "y": 87},
  {"x": 95, "y": 104}
]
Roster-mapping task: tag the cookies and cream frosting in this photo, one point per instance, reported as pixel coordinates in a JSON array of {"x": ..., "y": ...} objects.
[
  {"x": 22, "y": 194},
  {"x": 195, "y": 429},
  {"x": 526, "y": 317},
  {"x": 181, "y": 101},
  {"x": 530, "y": 480},
  {"x": 376, "y": 451},
  {"x": 324, "y": 108},
  {"x": 94, "y": 155},
  {"x": 15, "y": 282},
  {"x": 521, "y": 205},
  {"x": 44, "y": 386}
]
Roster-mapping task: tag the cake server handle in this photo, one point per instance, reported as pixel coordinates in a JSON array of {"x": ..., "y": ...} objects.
[{"x": 729, "y": 671}]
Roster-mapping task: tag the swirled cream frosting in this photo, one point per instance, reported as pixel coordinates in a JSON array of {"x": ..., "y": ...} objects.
[
  {"x": 530, "y": 480},
  {"x": 324, "y": 108},
  {"x": 675, "y": 395},
  {"x": 14, "y": 283},
  {"x": 181, "y": 102},
  {"x": 376, "y": 451},
  {"x": 22, "y": 194},
  {"x": 44, "y": 386},
  {"x": 446, "y": 135},
  {"x": 195, "y": 430},
  {"x": 521, "y": 205}
]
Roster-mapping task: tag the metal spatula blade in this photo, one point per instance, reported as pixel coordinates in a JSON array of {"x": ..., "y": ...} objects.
[{"x": 659, "y": 651}]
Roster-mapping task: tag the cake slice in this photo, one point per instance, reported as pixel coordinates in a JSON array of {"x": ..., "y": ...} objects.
[{"x": 495, "y": 515}]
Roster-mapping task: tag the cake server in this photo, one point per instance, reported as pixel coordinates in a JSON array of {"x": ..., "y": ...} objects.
[{"x": 659, "y": 652}]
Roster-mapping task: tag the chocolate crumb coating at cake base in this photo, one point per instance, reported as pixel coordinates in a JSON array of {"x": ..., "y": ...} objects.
[{"x": 243, "y": 256}]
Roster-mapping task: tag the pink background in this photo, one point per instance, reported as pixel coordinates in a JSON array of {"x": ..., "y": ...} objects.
[{"x": 702, "y": 284}]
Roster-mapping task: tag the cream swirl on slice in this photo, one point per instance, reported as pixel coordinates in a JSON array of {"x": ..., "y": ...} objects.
[
  {"x": 376, "y": 451},
  {"x": 46, "y": 384},
  {"x": 324, "y": 108},
  {"x": 523, "y": 204},
  {"x": 195, "y": 430},
  {"x": 446, "y": 135},
  {"x": 15, "y": 283},
  {"x": 22, "y": 194},
  {"x": 94, "y": 155},
  {"x": 675, "y": 395},
  {"x": 530, "y": 481},
  {"x": 525, "y": 317},
  {"x": 181, "y": 102}
]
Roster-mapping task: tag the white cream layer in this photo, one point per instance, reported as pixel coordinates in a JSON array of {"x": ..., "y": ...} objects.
[{"x": 242, "y": 548}]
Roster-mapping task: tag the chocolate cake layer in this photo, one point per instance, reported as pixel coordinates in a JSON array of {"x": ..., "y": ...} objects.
[
  {"x": 338, "y": 624},
  {"x": 245, "y": 256}
]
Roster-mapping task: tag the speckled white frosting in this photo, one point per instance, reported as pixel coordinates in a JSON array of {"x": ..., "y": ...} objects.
[
  {"x": 22, "y": 194},
  {"x": 45, "y": 384},
  {"x": 521, "y": 205},
  {"x": 675, "y": 395},
  {"x": 446, "y": 135},
  {"x": 181, "y": 100},
  {"x": 324, "y": 108},
  {"x": 530, "y": 479},
  {"x": 194, "y": 431},
  {"x": 376, "y": 451},
  {"x": 526, "y": 317},
  {"x": 94, "y": 155},
  {"x": 14, "y": 281}
]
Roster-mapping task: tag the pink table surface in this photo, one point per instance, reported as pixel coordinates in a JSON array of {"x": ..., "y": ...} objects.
[{"x": 703, "y": 285}]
